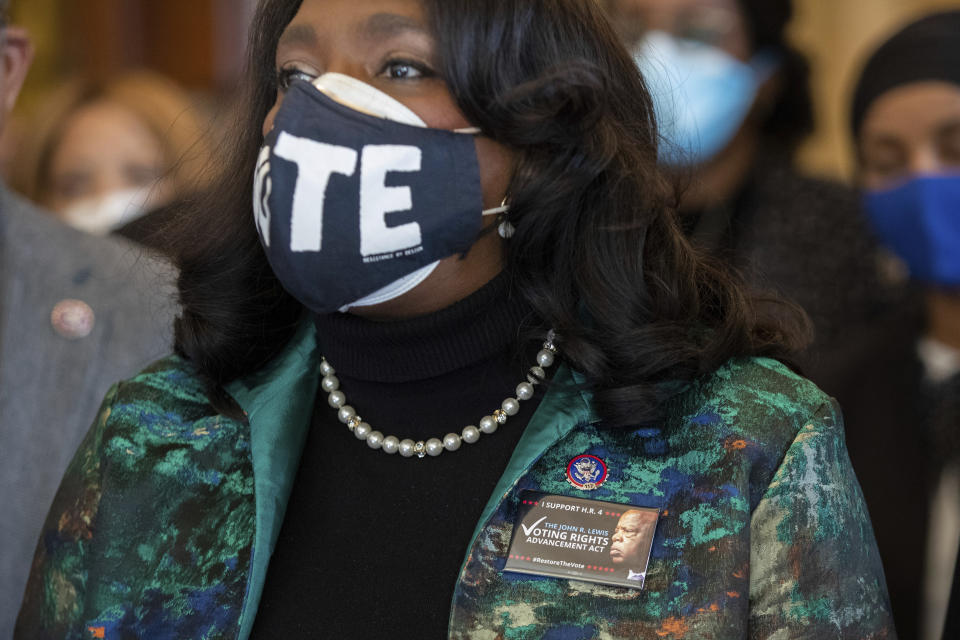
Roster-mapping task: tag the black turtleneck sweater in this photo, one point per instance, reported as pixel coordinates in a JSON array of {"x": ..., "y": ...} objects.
[{"x": 372, "y": 544}]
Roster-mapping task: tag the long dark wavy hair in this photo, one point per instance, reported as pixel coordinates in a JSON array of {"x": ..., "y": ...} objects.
[{"x": 597, "y": 253}]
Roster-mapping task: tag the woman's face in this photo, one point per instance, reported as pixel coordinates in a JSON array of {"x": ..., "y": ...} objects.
[
  {"x": 720, "y": 25},
  {"x": 910, "y": 130},
  {"x": 104, "y": 149},
  {"x": 387, "y": 44}
]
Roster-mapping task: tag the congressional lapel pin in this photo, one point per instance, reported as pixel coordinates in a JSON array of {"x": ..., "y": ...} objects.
[
  {"x": 576, "y": 538},
  {"x": 586, "y": 472},
  {"x": 72, "y": 319}
]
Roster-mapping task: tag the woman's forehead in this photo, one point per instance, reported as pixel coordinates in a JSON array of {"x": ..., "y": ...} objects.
[
  {"x": 369, "y": 18},
  {"x": 342, "y": 23},
  {"x": 913, "y": 110}
]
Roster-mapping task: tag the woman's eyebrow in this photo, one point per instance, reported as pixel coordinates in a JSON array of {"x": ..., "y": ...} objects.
[
  {"x": 383, "y": 25},
  {"x": 882, "y": 139},
  {"x": 299, "y": 35}
]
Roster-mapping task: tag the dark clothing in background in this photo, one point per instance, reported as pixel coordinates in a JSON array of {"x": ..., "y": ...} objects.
[
  {"x": 951, "y": 626},
  {"x": 944, "y": 403},
  {"x": 807, "y": 240},
  {"x": 945, "y": 431}
]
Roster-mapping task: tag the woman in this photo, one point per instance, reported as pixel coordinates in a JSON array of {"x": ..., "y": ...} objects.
[
  {"x": 906, "y": 124},
  {"x": 103, "y": 154},
  {"x": 187, "y": 512}
]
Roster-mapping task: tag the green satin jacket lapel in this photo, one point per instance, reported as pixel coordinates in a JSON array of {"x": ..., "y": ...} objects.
[{"x": 278, "y": 401}]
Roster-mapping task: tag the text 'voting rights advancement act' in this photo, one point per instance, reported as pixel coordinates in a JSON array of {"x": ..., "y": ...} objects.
[{"x": 589, "y": 540}]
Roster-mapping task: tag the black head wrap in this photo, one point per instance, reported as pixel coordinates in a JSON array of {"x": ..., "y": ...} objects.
[{"x": 928, "y": 49}]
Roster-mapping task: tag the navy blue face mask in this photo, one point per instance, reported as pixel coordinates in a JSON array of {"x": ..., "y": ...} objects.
[
  {"x": 920, "y": 222},
  {"x": 355, "y": 205}
]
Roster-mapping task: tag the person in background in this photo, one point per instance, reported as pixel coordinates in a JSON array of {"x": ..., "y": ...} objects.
[
  {"x": 733, "y": 103},
  {"x": 77, "y": 312},
  {"x": 906, "y": 123},
  {"x": 103, "y": 154}
]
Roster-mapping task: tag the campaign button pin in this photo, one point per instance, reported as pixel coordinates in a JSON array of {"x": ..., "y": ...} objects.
[{"x": 586, "y": 472}]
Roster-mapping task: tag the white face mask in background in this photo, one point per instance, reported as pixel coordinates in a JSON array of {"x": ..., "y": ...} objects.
[
  {"x": 702, "y": 95},
  {"x": 104, "y": 214}
]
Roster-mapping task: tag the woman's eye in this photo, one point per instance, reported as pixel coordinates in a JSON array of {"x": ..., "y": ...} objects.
[
  {"x": 701, "y": 35},
  {"x": 288, "y": 75},
  {"x": 73, "y": 186},
  {"x": 140, "y": 175},
  {"x": 887, "y": 170},
  {"x": 949, "y": 148},
  {"x": 405, "y": 70},
  {"x": 884, "y": 161}
]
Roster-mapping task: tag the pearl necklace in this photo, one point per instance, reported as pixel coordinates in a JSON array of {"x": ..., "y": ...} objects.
[{"x": 450, "y": 442}]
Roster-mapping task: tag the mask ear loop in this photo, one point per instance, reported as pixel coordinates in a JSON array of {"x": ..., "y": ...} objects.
[{"x": 505, "y": 228}]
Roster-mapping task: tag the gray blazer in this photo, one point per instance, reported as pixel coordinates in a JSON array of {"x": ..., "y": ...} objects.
[{"x": 52, "y": 375}]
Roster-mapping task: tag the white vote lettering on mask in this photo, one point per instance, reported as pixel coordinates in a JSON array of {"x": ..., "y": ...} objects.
[
  {"x": 262, "y": 187},
  {"x": 316, "y": 163},
  {"x": 377, "y": 199}
]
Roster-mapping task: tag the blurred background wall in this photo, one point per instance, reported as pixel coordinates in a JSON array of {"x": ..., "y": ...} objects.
[{"x": 199, "y": 43}]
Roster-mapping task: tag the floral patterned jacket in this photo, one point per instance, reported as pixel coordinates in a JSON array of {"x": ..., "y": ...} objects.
[{"x": 165, "y": 522}]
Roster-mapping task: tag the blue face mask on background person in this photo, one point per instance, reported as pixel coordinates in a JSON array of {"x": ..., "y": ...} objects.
[
  {"x": 356, "y": 200},
  {"x": 920, "y": 222},
  {"x": 701, "y": 94}
]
